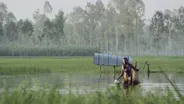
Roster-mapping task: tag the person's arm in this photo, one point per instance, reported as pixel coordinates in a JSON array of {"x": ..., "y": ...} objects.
[
  {"x": 134, "y": 68},
  {"x": 122, "y": 72}
]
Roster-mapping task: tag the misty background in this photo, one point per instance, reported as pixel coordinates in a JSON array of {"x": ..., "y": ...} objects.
[{"x": 121, "y": 27}]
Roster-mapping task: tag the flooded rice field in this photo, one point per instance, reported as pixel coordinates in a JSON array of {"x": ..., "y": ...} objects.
[{"x": 89, "y": 82}]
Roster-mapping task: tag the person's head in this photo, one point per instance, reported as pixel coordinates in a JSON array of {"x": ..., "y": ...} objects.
[{"x": 125, "y": 60}]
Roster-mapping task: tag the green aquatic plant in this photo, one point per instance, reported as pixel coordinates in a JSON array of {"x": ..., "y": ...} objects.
[{"x": 113, "y": 95}]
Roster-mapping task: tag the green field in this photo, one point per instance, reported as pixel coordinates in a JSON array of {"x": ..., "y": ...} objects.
[
  {"x": 33, "y": 65},
  {"x": 23, "y": 65},
  {"x": 53, "y": 64}
]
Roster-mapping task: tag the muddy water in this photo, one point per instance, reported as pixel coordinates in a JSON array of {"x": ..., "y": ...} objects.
[{"x": 88, "y": 82}]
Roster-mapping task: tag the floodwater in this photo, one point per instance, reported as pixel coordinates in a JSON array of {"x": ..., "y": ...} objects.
[{"x": 89, "y": 82}]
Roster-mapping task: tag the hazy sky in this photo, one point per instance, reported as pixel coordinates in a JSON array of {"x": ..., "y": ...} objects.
[{"x": 25, "y": 8}]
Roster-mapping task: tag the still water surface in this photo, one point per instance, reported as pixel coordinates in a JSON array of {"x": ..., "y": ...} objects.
[{"x": 89, "y": 82}]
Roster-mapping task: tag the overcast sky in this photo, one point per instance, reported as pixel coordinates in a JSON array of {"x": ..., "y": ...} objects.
[{"x": 25, "y": 8}]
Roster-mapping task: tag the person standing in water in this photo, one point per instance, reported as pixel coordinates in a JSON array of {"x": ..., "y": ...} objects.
[{"x": 127, "y": 72}]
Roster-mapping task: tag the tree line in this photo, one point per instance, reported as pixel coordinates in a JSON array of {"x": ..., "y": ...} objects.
[{"x": 118, "y": 28}]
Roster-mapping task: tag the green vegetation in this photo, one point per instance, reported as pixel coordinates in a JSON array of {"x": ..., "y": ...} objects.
[
  {"x": 51, "y": 63},
  {"x": 73, "y": 50},
  {"x": 171, "y": 64},
  {"x": 114, "y": 26},
  {"x": 111, "y": 96},
  {"x": 26, "y": 65},
  {"x": 118, "y": 26},
  {"x": 12, "y": 70},
  {"x": 47, "y": 95}
]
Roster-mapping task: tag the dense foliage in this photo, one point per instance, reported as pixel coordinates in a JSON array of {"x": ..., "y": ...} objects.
[{"x": 119, "y": 27}]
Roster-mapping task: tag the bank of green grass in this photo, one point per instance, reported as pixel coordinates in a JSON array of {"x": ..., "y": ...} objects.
[
  {"x": 111, "y": 96},
  {"x": 26, "y": 65}
]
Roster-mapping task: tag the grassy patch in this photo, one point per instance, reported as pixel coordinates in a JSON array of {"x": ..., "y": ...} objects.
[
  {"x": 14, "y": 70},
  {"x": 111, "y": 96},
  {"x": 23, "y": 65},
  {"x": 170, "y": 64},
  {"x": 54, "y": 64}
]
